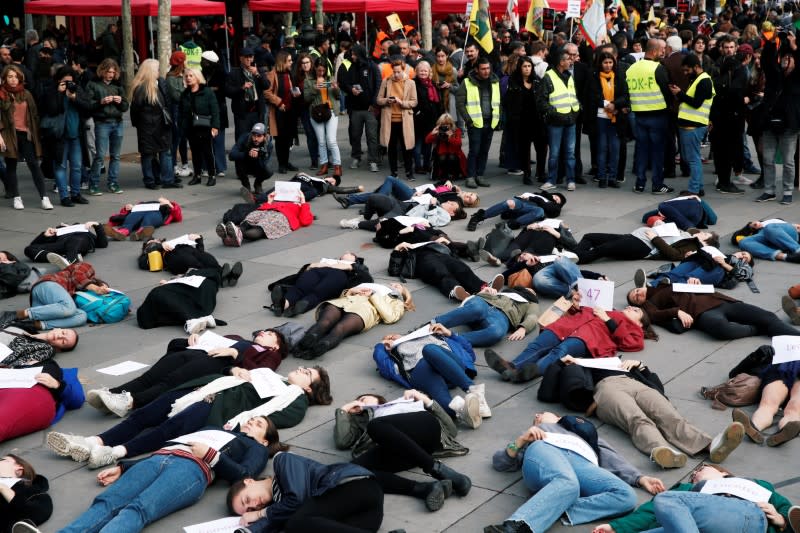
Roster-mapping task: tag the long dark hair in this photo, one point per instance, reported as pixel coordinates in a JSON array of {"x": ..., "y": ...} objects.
[
  {"x": 28, "y": 472},
  {"x": 647, "y": 327},
  {"x": 516, "y": 76},
  {"x": 275, "y": 445},
  {"x": 321, "y": 390}
]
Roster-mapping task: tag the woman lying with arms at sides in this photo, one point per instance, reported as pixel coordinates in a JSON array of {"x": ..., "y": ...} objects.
[
  {"x": 304, "y": 495},
  {"x": 317, "y": 282},
  {"x": 190, "y": 359},
  {"x": 138, "y": 221},
  {"x": 235, "y": 401},
  {"x": 25, "y": 410},
  {"x": 580, "y": 332},
  {"x": 183, "y": 254},
  {"x": 357, "y": 309},
  {"x": 700, "y": 506},
  {"x": 572, "y": 472},
  {"x": 145, "y": 490},
  {"x": 389, "y": 438},
  {"x": 26, "y": 500}
]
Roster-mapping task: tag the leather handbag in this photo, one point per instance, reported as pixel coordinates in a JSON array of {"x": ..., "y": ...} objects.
[
  {"x": 742, "y": 389},
  {"x": 321, "y": 113},
  {"x": 402, "y": 264},
  {"x": 201, "y": 121}
]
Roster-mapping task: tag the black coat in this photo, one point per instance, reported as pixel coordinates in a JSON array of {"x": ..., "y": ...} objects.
[
  {"x": 426, "y": 113},
  {"x": 153, "y": 133},
  {"x": 30, "y": 502},
  {"x": 595, "y": 101},
  {"x": 215, "y": 80},
  {"x": 173, "y": 304},
  {"x": 202, "y": 102}
]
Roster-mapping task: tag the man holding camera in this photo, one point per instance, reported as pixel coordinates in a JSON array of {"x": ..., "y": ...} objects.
[{"x": 251, "y": 154}]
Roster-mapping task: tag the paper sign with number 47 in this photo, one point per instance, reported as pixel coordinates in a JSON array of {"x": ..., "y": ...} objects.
[{"x": 596, "y": 293}]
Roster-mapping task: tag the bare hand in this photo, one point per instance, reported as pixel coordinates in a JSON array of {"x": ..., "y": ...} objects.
[
  {"x": 109, "y": 475},
  {"x": 693, "y": 281},
  {"x": 568, "y": 360},
  {"x": 773, "y": 515},
  {"x": 604, "y": 528},
  {"x": 50, "y": 232},
  {"x": 518, "y": 335},
  {"x": 533, "y": 433},
  {"x": 685, "y": 318},
  {"x": 650, "y": 234},
  {"x": 214, "y": 132},
  {"x": 601, "y": 314},
  {"x": 576, "y": 300},
  {"x": 241, "y": 373},
  {"x": 418, "y": 396},
  {"x": 441, "y": 330},
  {"x": 193, "y": 338},
  {"x": 47, "y": 380},
  {"x": 199, "y": 449},
  {"x": 631, "y": 364},
  {"x": 91, "y": 224},
  {"x": 249, "y": 517},
  {"x": 389, "y": 339},
  {"x": 223, "y": 352},
  {"x": 403, "y": 246},
  {"x": 167, "y": 247},
  {"x": 653, "y": 485},
  {"x": 353, "y": 408}
]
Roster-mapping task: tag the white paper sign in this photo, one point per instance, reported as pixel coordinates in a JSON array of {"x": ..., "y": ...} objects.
[
  {"x": 414, "y": 246},
  {"x": 573, "y": 8},
  {"x": 192, "y": 281},
  {"x": 9, "y": 481},
  {"x": 667, "y": 230},
  {"x": 287, "y": 191},
  {"x": 75, "y": 228},
  {"x": 397, "y": 407},
  {"x": 329, "y": 261},
  {"x": 183, "y": 239},
  {"x": 547, "y": 258},
  {"x": 514, "y": 296},
  {"x": 423, "y": 199},
  {"x": 120, "y": 369},
  {"x": 210, "y": 340},
  {"x": 697, "y": 289},
  {"x": 772, "y": 221},
  {"x": 787, "y": 348},
  {"x": 550, "y": 223},
  {"x": 266, "y": 382},
  {"x": 602, "y": 363},
  {"x": 223, "y": 525},
  {"x": 712, "y": 251},
  {"x": 410, "y": 221},
  {"x": 531, "y": 196},
  {"x": 601, "y": 111},
  {"x": 377, "y": 288},
  {"x": 596, "y": 293},
  {"x": 210, "y": 437},
  {"x": 18, "y": 378},
  {"x": 572, "y": 443},
  {"x": 140, "y": 208},
  {"x": 5, "y": 351},
  {"x": 741, "y": 488},
  {"x": 416, "y": 334},
  {"x": 424, "y": 187}
]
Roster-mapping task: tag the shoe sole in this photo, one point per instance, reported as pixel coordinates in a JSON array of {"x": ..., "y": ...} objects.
[
  {"x": 790, "y": 308},
  {"x": 498, "y": 282},
  {"x": 435, "y": 498},
  {"x": 666, "y": 458},
  {"x": 789, "y": 431},
  {"x": 752, "y": 433},
  {"x": 93, "y": 399},
  {"x": 472, "y": 408},
  {"x": 639, "y": 278},
  {"x": 766, "y": 199},
  {"x": 461, "y": 293},
  {"x": 794, "y": 517},
  {"x": 114, "y": 411},
  {"x": 60, "y": 445},
  {"x": 731, "y": 439},
  {"x": 57, "y": 260},
  {"x": 236, "y": 272}
]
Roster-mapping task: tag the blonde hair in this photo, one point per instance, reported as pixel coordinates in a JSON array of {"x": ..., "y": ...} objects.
[
  {"x": 146, "y": 79},
  {"x": 408, "y": 301},
  {"x": 196, "y": 73},
  {"x": 424, "y": 64},
  {"x": 445, "y": 118}
]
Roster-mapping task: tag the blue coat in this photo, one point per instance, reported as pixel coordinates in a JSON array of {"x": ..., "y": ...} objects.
[
  {"x": 72, "y": 395},
  {"x": 389, "y": 368}
]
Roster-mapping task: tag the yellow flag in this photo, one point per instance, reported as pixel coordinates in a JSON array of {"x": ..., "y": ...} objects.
[
  {"x": 651, "y": 16},
  {"x": 635, "y": 19},
  {"x": 622, "y": 10},
  {"x": 533, "y": 20},
  {"x": 479, "y": 26}
]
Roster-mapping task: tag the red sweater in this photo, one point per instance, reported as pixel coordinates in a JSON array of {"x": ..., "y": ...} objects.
[
  {"x": 451, "y": 147},
  {"x": 628, "y": 337},
  {"x": 297, "y": 214},
  {"x": 73, "y": 278}
]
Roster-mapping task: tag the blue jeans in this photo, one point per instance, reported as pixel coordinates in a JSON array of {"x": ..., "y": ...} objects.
[
  {"x": 153, "y": 488},
  {"x": 690, "y": 512},
  {"x": 166, "y": 172},
  {"x": 565, "y": 482},
  {"x": 219, "y": 151},
  {"x": 422, "y": 153},
  {"x": 326, "y": 138},
  {"x": 607, "y": 150},
  {"x": 487, "y": 322},
  {"x": 437, "y": 371},
  {"x": 650, "y": 132},
  {"x": 108, "y": 141},
  {"x": 391, "y": 186},
  {"x": 771, "y": 240},
  {"x": 690, "y": 153},
  {"x": 480, "y": 140},
  {"x": 561, "y": 138},
  {"x": 546, "y": 349},
  {"x": 140, "y": 219},
  {"x": 523, "y": 212},
  {"x": 72, "y": 155},
  {"x": 52, "y": 305},
  {"x": 690, "y": 269},
  {"x": 555, "y": 280}
]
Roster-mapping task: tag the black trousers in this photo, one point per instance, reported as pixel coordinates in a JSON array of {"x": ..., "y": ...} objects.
[
  {"x": 397, "y": 142},
  {"x": 726, "y": 144},
  {"x": 734, "y": 320},
  {"x": 445, "y": 272},
  {"x": 201, "y": 143},
  {"x": 316, "y": 285},
  {"x": 250, "y": 167},
  {"x": 626, "y": 247},
  {"x": 354, "y": 507},
  {"x": 26, "y": 149},
  {"x": 287, "y": 129}
]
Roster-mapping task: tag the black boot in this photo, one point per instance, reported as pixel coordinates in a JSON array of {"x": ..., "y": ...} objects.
[
  {"x": 461, "y": 483},
  {"x": 299, "y": 307},
  {"x": 309, "y": 339},
  {"x": 344, "y": 190},
  {"x": 278, "y": 300},
  {"x": 476, "y": 218},
  {"x": 434, "y": 493}
]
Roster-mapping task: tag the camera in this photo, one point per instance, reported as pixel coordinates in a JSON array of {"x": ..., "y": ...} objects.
[
  {"x": 72, "y": 86},
  {"x": 444, "y": 127}
]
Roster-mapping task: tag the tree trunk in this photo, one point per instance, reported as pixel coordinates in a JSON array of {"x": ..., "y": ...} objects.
[
  {"x": 127, "y": 45},
  {"x": 426, "y": 21},
  {"x": 164, "y": 35},
  {"x": 320, "y": 13}
]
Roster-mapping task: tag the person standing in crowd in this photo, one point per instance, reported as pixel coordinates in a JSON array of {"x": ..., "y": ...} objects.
[
  {"x": 727, "y": 115},
  {"x": 523, "y": 120},
  {"x": 609, "y": 92},
  {"x": 429, "y": 108},
  {"x": 304, "y": 67},
  {"x": 109, "y": 44},
  {"x": 693, "y": 111},
  {"x": 150, "y": 115},
  {"x": 245, "y": 87},
  {"x": 177, "y": 62},
  {"x": 215, "y": 80},
  {"x": 397, "y": 97},
  {"x": 558, "y": 102},
  {"x": 283, "y": 98},
  {"x": 319, "y": 91},
  {"x": 108, "y": 104},
  {"x": 478, "y": 104},
  {"x": 200, "y": 122},
  {"x": 322, "y": 46},
  {"x": 648, "y": 85},
  {"x": 361, "y": 83},
  {"x": 19, "y": 134}
]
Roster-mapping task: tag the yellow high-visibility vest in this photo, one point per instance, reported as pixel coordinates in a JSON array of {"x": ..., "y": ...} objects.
[
  {"x": 699, "y": 114},
  {"x": 644, "y": 90},
  {"x": 563, "y": 97},
  {"x": 474, "y": 104},
  {"x": 193, "y": 56}
]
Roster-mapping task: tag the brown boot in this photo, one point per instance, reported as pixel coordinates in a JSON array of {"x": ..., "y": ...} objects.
[
  {"x": 337, "y": 170},
  {"x": 323, "y": 170}
]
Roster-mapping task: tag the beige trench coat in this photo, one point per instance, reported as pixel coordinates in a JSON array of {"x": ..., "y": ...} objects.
[{"x": 408, "y": 103}]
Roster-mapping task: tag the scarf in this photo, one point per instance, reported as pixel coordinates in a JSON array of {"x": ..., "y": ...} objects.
[
  {"x": 444, "y": 73},
  {"x": 433, "y": 93},
  {"x": 607, "y": 84},
  {"x": 12, "y": 93}
]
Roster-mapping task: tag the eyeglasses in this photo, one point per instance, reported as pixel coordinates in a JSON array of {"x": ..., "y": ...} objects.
[{"x": 696, "y": 470}]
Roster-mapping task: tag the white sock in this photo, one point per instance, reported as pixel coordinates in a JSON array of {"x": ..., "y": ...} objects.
[
  {"x": 93, "y": 442},
  {"x": 119, "y": 451}
]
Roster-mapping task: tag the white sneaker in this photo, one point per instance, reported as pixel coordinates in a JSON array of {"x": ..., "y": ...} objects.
[
  {"x": 728, "y": 440},
  {"x": 571, "y": 186},
  {"x": 195, "y": 325},
  {"x": 467, "y": 409},
  {"x": 741, "y": 179},
  {"x": 101, "y": 456},
  {"x": 479, "y": 389},
  {"x": 373, "y": 167},
  {"x": 75, "y": 447},
  {"x": 186, "y": 171},
  {"x": 18, "y": 203},
  {"x": 667, "y": 457},
  {"x": 350, "y": 223},
  {"x": 118, "y": 403},
  {"x": 210, "y": 322},
  {"x": 58, "y": 260},
  {"x": 354, "y": 164},
  {"x": 24, "y": 527},
  {"x": 46, "y": 203},
  {"x": 566, "y": 254},
  {"x": 93, "y": 399}
]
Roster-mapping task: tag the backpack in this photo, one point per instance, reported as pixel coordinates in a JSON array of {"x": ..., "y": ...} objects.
[
  {"x": 498, "y": 239},
  {"x": 103, "y": 308}
]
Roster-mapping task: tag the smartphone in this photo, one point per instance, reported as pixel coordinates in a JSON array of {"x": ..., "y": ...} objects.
[{"x": 357, "y": 87}]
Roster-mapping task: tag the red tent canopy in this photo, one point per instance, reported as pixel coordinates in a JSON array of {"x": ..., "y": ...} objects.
[
  {"x": 441, "y": 7},
  {"x": 338, "y": 6},
  {"x": 147, "y": 8}
]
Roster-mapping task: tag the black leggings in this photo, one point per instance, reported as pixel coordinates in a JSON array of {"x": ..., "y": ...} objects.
[
  {"x": 316, "y": 285},
  {"x": 287, "y": 124},
  {"x": 354, "y": 507},
  {"x": 598, "y": 245},
  {"x": 381, "y": 205},
  {"x": 26, "y": 149},
  {"x": 333, "y": 324},
  {"x": 445, "y": 272},
  {"x": 396, "y": 140},
  {"x": 202, "y": 145},
  {"x": 734, "y": 320},
  {"x": 172, "y": 370}
]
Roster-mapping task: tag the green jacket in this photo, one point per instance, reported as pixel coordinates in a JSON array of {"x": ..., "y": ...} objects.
[
  {"x": 519, "y": 314},
  {"x": 350, "y": 431},
  {"x": 202, "y": 102},
  {"x": 96, "y": 90},
  {"x": 644, "y": 518}
]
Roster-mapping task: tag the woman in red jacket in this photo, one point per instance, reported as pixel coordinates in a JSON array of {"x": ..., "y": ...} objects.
[
  {"x": 580, "y": 332},
  {"x": 449, "y": 161},
  {"x": 271, "y": 220}
]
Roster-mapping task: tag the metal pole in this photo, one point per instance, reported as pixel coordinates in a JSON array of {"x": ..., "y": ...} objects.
[
  {"x": 227, "y": 43},
  {"x": 152, "y": 44}
]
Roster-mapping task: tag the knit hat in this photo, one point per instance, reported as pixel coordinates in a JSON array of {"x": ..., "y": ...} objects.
[
  {"x": 177, "y": 58},
  {"x": 651, "y": 221},
  {"x": 746, "y": 49},
  {"x": 210, "y": 55}
]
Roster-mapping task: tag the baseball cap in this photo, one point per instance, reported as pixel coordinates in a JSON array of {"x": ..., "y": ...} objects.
[
  {"x": 247, "y": 51},
  {"x": 210, "y": 55},
  {"x": 259, "y": 128}
]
